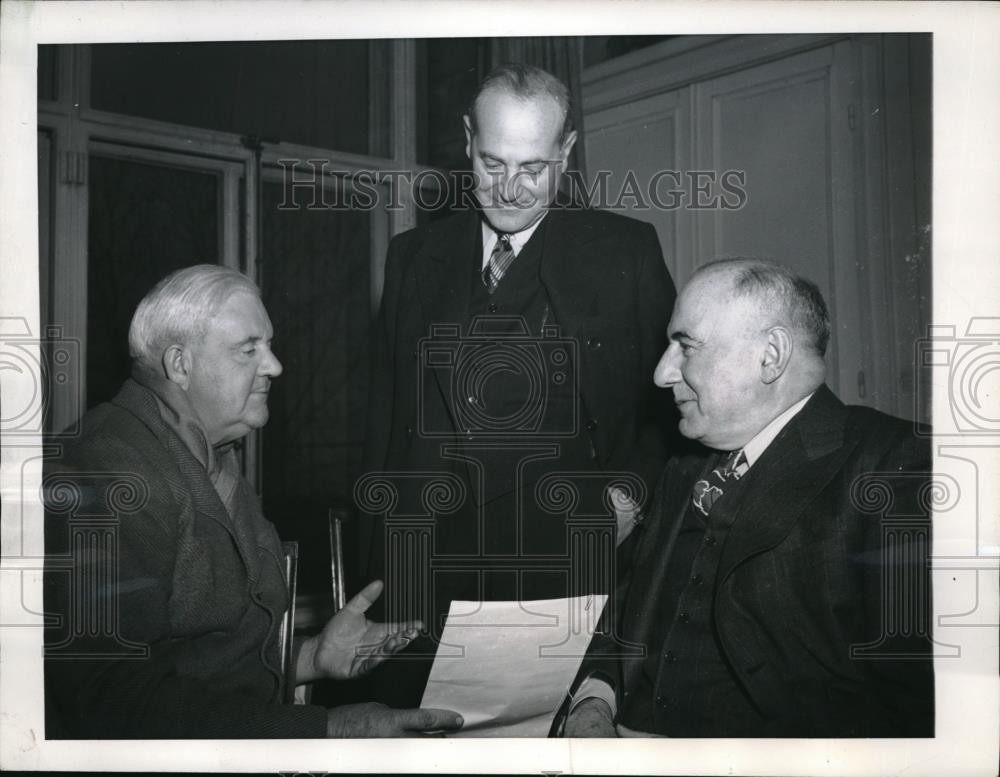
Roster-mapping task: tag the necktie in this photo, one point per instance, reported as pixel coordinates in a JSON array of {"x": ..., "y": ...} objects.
[
  {"x": 707, "y": 492},
  {"x": 500, "y": 260}
]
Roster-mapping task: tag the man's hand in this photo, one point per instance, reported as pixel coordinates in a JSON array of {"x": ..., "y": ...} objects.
[
  {"x": 627, "y": 513},
  {"x": 377, "y": 720},
  {"x": 350, "y": 645},
  {"x": 590, "y": 718}
]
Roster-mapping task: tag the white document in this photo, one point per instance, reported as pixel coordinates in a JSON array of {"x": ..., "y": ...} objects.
[{"x": 507, "y": 666}]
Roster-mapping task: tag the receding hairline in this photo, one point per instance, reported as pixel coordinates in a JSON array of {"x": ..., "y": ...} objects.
[
  {"x": 527, "y": 84},
  {"x": 761, "y": 281},
  {"x": 540, "y": 101}
]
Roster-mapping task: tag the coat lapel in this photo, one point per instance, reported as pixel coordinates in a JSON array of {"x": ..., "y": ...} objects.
[
  {"x": 195, "y": 484},
  {"x": 800, "y": 462},
  {"x": 443, "y": 269},
  {"x": 655, "y": 550},
  {"x": 568, "y": 273}
]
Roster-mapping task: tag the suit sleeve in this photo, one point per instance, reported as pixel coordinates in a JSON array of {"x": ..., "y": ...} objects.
[
  {"x": 897, "y": 648},
  {"x": 111, "y": 669}
]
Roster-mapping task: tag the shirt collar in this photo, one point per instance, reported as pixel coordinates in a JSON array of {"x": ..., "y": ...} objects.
[
  {"x": 517, "y": 239},
  {"x": 754, "y": 449}
]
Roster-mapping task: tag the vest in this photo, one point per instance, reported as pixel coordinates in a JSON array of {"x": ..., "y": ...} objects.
[{"x": 685, "y": 680}]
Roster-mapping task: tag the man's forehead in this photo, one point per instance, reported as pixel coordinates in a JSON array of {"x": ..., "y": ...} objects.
[
  {"x": 241, "y": 316},
  {"x": 702, "y": 305},
  {"x": 505, "y": 117}
]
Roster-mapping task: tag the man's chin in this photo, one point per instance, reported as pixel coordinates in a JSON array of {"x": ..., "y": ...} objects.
[
  {"x": 687, "y": 429},
  {"x": 512, "y": 219}
]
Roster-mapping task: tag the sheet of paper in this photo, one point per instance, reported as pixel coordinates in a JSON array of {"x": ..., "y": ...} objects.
[{"x": 507, "y": 666}]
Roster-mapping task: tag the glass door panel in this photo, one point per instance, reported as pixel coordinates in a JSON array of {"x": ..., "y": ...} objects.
[
  {"x": 316, "y": 278},
  {"x": 145, "y": 220}
]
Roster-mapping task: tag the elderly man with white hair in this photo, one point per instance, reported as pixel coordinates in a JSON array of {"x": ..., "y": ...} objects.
[{"x": 169, "y": 628}]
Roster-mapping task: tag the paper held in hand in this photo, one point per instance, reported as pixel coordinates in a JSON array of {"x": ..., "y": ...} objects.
[{"x": 507, "y": 666}]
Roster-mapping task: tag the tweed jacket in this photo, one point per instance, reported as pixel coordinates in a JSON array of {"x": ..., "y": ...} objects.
[{"x": 168, "y": 625}]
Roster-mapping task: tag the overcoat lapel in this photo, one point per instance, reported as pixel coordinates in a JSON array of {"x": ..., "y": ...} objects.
[
  {"x": 655, "y": 550},
  {"x": 568, "y": 271},
  {"x": 800, "y": 462},
  {"x": 574, "y": 270},
  {"x": 443, "y": 269}
]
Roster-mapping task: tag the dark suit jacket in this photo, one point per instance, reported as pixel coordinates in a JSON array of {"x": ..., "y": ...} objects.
[
  {"x": 828, "y": 554},
  {"x": 187, "y": 603},
  {"x": 609, "y": 291}
]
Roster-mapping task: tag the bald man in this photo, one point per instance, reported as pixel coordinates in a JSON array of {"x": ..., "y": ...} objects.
[{"x": 770, "y": 596}]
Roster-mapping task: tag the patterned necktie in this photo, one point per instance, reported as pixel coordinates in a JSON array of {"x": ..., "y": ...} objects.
[
  {"x": 707, "y": 492},
  {"x": 500, "y": 260}
]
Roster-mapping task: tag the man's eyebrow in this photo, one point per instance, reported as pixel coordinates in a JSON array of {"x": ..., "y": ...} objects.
[
  {"x": 680, "y": 334},
  {"x": 495, "y": 158}
]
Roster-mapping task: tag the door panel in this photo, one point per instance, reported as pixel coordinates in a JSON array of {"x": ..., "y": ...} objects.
[
  {"x": 785, "y": 124},
  {"x": 643, "y": 138}
]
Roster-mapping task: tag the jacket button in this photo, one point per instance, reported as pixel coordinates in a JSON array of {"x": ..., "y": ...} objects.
[
  {"x": 683, "y": 617},
  {"x": 258, "y": 596},
  {"x": 594, "y": 342},
  {"x": 493, "y": 307},
  {"x": 670, "y": 657},
  {"x": 416, "y": 354},
  {"x": 696, "y": 579},
  {"x": 409, "y": 431},
  {"x": 710, "y": 540},
  {"x": 591, "y": 425}
]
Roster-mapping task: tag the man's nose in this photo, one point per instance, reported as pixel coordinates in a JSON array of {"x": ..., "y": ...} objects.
[
  {"x": 668, "y": 371},
  {"x": 510, "y": 186},
  {"x": 270, "y": 365}
]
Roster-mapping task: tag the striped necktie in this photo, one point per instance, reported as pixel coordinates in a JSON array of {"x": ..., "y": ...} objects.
[
  {"x": 707, "y": 492},
  {"x": 500, "y": 261}
]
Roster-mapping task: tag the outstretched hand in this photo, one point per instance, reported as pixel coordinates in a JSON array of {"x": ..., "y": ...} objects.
[{"x": 350, "y": 645}]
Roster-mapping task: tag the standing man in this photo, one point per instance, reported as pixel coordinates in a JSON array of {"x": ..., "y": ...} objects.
[
  {"x": 513, "y": 347},
  {"x": 165, "y": 580},
  {"x": 781, "y": 585}
]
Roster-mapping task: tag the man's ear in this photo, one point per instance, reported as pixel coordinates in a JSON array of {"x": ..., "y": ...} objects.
[
  {"x": 177, "y": 365},
  {"x": 468, "y": 136},
  {"x": 567, "y": 146},
  {"x": 777, "y": 353}
]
